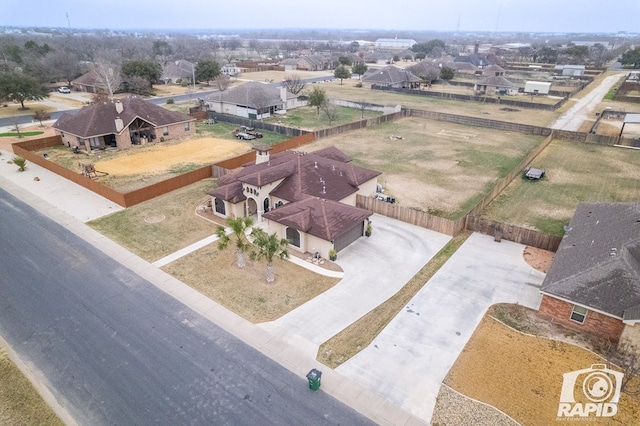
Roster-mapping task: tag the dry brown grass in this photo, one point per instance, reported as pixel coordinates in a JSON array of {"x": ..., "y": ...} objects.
[
  {"x": 522, "y": 375},
  {"x": 440, "y": 167},
  {"x": 215, "y": 274},
  {"x": 20, "y": 403}
]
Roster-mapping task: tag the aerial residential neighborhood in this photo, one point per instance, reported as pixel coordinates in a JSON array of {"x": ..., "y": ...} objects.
[{"x": 428, "y": 219}]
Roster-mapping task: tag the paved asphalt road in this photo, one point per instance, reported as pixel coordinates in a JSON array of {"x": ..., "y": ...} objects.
[{"x": 114, "y": 349}]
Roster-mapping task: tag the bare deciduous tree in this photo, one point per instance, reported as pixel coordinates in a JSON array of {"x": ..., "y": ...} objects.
[
  {"x": 107, "y": 77},
  {"x": 222, "y": 82},
  {"x": 294, "y": 84},
  {"x": 330, "y": 110},
  {"x": 627, "y": 358}
]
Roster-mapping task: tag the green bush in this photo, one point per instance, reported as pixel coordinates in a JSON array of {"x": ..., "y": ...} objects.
[
  {"x": 170, "y": 101},
  {"x": 20, "y": 162}
]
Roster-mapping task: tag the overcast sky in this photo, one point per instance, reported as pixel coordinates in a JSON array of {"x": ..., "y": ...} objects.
[{"x": 438, "y": 15}]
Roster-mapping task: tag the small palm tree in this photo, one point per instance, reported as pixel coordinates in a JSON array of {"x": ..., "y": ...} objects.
[
  {"x": 20, "y": 162},
  {"x": 269, "y": 246},
  {"x": 238, "y": 225}
]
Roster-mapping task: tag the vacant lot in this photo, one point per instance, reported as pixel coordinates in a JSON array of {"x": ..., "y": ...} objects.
[
  {"x": 528, "y": 389},
  {"x": 439, "y": 167},
  {"x": 160, "y": 226},
  {"x": 215, "y": 274},
  {"x": 575, "y": 173},
  {"x": 309, "y": 118}
]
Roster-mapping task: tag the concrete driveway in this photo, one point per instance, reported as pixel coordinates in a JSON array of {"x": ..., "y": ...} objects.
[
  {"x": 407, "y": 362},
  {"x": 375, "y": 268}
]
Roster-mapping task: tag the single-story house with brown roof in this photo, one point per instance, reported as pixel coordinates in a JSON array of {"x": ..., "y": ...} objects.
[
  {"x": 307, "y": 198},
  {"x": 177, "y": 71},
  {"x": 593, "y": 284},
  {"x": 253, "y": 100},
  {"x": 391, "y": 76},
  {"x": 121, "y": 123},
  {"x": 496, "y": 85}
]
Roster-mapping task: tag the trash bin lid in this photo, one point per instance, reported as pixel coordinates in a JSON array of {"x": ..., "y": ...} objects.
[{"x": 314, "y": 374}]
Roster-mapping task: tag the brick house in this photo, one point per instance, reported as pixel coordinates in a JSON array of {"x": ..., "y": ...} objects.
[
  {"x": 593, "y": 284},
  {"x": 122, "y": 123},
  {"x": 391, "y": 76},
  {"x": 253, "y": 100},
  {"x": 307, "y": 198}
]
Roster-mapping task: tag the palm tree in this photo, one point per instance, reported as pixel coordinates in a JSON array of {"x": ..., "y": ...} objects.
[
  {"x": 269, "y": 246},
  {"x": 238, "y": 225}
]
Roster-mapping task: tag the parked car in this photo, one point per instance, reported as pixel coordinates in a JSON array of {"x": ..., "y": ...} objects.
[{"x": 64, "y": 89}]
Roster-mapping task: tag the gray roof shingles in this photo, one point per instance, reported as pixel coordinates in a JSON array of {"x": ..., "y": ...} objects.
[{"x": 598, "y": 262}]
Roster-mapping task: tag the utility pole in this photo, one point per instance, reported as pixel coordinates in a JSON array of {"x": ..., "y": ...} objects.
[{"x": 68, "y": 22}]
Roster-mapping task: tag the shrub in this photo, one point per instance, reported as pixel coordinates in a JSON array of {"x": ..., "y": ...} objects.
[
  {"x": 170, "y": 101},
  {"x": 20, "y": 162}
]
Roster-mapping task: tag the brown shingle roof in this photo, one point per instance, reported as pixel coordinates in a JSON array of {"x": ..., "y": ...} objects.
[
  {"x": 389, "y": 75},
  {"x": 99, "y": 119},
  {"x": 321, "y": 218},
  {"x": 254, "y": 94},
  {"x": 598, "y": 262}
]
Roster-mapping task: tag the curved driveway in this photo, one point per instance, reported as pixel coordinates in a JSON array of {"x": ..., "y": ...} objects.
[{"x": 375, "y": 269}]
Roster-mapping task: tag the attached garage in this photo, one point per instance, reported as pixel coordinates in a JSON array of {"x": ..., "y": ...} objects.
[{"x": 348, "y": 237}]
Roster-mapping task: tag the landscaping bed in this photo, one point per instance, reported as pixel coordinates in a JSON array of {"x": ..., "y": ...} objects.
[{"x": 521, "y": 374}]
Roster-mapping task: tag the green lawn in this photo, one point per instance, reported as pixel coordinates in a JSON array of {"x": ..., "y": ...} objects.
[
  {"x": 575, "y": 173},
  {"x": 23, "y": 134}
]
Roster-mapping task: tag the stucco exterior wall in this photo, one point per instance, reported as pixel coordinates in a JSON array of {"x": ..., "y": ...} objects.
[
  {"x": 631, "y": 336},
  {"x": 595, "y": 323}
]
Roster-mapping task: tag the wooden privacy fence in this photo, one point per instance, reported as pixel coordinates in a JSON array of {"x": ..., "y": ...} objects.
[
  {"x": 412, "y": 216},
  {"x": 513, "y": 233},
  {"x": 24, "y": 149}
]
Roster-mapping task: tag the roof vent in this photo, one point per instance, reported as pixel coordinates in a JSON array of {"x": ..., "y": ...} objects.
[
  {"x": 315, "y": 164},
  {"x": 613, "y": 252}
]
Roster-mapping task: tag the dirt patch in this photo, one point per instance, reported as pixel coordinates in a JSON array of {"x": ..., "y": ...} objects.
[
  {"x": 528, "y": 389},
  {"x": 5, "y": 142},
  {"x": 538, "y": 259},
  {"x": 158, "y": 159}
]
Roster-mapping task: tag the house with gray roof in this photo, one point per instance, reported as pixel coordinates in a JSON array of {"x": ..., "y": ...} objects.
[
  {"x": 178, "y": 71},
  {"x": 121, "y": 123},
  {"x": 254, "y": 100},
  {"x": 391, "y": 76},
  {"x": 307, "y": 198},
  {"x": 593, "y": 284},
  {"x": 496, "y": 85}
]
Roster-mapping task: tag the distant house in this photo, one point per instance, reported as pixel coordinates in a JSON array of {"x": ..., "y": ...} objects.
[
  {"x": 391, "y": 76},
  {"x": 307, "y": 198},
  {"x": 313, "y": 63},
  {"x": 289, "y": 64},
  {"x": 570, "y": 70},
  {"x": 495, "y": 86},
  {"x": 253, "y": 100},
  {"x": 461, "y": 68},
  {"x": 425, "y": 70},
  {"x": 537, "y": 87},
  {"x": 593, "y": 284},
  {"x": 178, "y": 71},
  {"x": 394, "y": 43},
  {"x": 230, "y": 70},
  {"x": 378, "y": 58},
  {"x": 493, "y": 71},
  {"x": 87, "y": 82},
  {"x": 120, "y": 124}
]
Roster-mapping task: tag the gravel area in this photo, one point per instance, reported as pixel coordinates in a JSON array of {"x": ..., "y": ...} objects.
[{"x": 453, "y": 408}]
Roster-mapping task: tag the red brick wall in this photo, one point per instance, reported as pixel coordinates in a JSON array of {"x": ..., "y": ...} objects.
[{"x": 595, "y": 323}]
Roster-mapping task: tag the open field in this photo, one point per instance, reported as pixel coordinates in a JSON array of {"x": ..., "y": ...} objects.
[
  {"x": 308, "y": 117},
  {"x": 439, "y": 167},
  {"x": 575, "y": 173},
  {"x": 162, "y": 225},
  {"x": 527, "y": 390},
  {"x": 215, "y": 274},
  {"x": 349, "y": 91},
  {"x": 20, "y": 403}
]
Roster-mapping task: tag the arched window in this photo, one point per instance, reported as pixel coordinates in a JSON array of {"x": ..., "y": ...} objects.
[
  {"x": 265, "y": 204},
  {"x": 220, "y": 206},
  {"x": 293, "y": 236}
]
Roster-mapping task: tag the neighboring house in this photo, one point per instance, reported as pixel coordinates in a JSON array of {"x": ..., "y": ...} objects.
[
  {"x": 537, "y": 87},
  {"x": 178, "y": 71},
  {"x": 461, "y": 68},
  {"x": 391, "y": 76},
  {"x": 85, "y": 83},
  {"x": 570, "y": 70},
  {"x": 493, "y": 71},
  {"x": 313, "y": 63},
  {"x": 425, "y": 70},
  {"x": 307, "y": 198},
  {"x": 121, "y": 123},
  {"x": 230, "y": 70},
  {"x": 253, "y": 100},
  {"x": 593, "y": 284},
  {"x": 496, "y": 86},
  {"x": 394, "y": 43},
  {"x": 289, "y": 64},
  {"x": 378, "y": 58}
]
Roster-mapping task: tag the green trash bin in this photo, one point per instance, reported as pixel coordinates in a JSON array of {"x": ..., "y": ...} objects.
[{"x": 314, "y": 379}]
